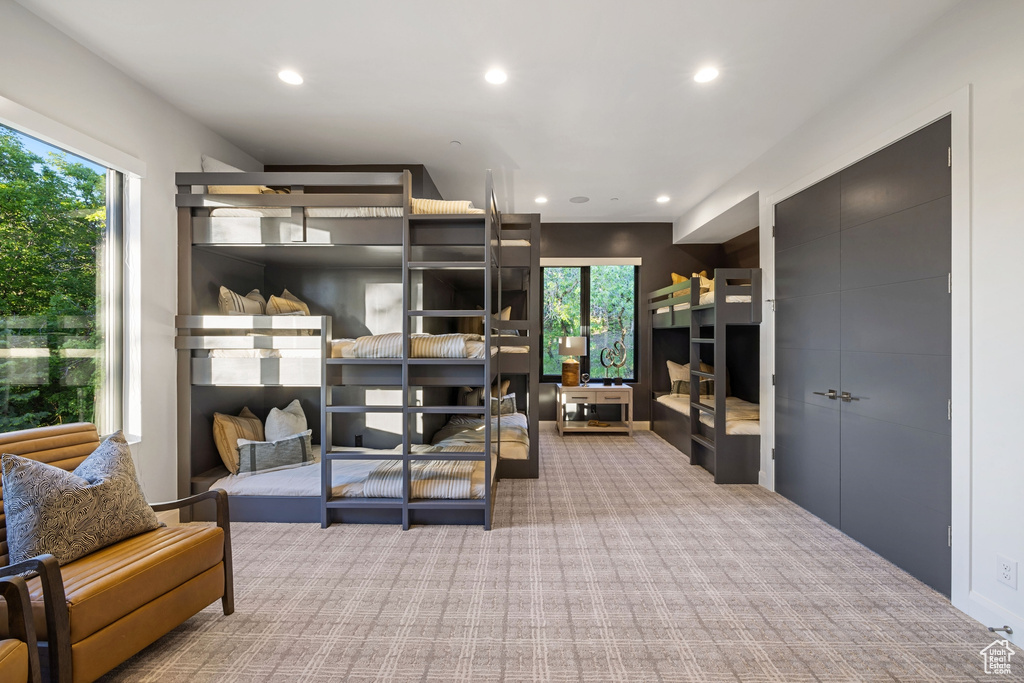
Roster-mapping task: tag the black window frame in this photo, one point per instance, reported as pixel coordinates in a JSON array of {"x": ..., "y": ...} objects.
[{"x": 585, "y": 324}]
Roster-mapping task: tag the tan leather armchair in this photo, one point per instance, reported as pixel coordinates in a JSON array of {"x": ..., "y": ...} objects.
[
  {"x": 99, "y": 610},
  {"x": 19, "y": 658}
]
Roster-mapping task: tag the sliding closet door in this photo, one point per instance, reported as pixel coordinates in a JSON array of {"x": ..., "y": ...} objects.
[
  {"x": 807, "y": 347},
  {"x": 896, "y": 358},
  {"x": 863, "y": 308}
]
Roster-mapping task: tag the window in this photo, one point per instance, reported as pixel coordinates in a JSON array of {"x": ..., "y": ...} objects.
[
  {"x": 60, "y": 298},
  {"x": 598, "y": 302}
]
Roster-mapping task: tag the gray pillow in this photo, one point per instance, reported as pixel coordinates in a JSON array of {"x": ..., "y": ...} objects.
[
  {"x": 71, "y": 514},
  {"x": 260, "y": 456}
]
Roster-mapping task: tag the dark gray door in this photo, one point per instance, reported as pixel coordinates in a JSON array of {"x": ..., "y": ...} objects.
[{"x": 865, "y": 309}]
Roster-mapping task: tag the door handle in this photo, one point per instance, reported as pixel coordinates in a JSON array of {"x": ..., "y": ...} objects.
[
  {"x": 830, "y": 394},
  {"x": 845, "y": 396}
]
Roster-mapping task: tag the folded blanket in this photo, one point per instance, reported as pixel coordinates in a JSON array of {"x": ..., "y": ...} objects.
[{"x": 443, "y": 479}]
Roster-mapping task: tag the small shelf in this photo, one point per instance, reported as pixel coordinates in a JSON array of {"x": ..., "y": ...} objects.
[{"x": 584, "y": 427}]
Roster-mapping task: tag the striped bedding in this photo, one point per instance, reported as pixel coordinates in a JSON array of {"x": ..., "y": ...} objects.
[
  {"x": 420, "y": 346},
  {"x": 445, "y": 479},
  {"x": 349, "y": 479},
  {"x": 463, "y": 430}
]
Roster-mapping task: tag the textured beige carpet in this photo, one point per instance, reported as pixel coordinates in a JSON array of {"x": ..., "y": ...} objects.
[{"x": 622, "y": 563}]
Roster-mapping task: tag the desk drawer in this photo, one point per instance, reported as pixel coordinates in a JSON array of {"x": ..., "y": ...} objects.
[
  {"x": 612, "y": 396},
  {"x": 581, "y": 397}
]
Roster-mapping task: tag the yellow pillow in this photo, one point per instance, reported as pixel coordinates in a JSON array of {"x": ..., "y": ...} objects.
[
  {"x": 286, "y": 303},
  {"x": 228, "y": 429},
  {"x": 678, "y": 279}
]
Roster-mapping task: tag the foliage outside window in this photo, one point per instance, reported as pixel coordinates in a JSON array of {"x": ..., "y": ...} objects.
[
  {"x": 53, "y": 228},
  {"x": 594, "y": 301}
]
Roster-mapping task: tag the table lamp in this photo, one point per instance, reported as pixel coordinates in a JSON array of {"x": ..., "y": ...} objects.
[{"x": 571, "y": 346}]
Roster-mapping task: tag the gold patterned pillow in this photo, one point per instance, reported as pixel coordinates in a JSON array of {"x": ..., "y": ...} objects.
[
  {"x": 71, "y": 514},
  {"x": 228, "y": 429},
  {"x": 286, "y": 304}
]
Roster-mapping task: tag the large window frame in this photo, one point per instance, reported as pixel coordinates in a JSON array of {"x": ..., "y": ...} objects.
[
  {"x": 117, "y": 404},
  {"x": 585, "y": 310}
]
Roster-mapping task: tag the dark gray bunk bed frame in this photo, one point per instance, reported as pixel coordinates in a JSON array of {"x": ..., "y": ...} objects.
[
  {"x": 338, "y": 242},
  {"x": 731, "y": 458}
]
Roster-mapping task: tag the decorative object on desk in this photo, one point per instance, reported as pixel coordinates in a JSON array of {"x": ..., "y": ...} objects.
[
  {"x": 614, "y": 357},
  {"x": 571, "y": 346},
  {"x": 585, "y": 379}
]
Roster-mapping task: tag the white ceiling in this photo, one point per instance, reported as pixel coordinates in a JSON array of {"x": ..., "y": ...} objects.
[{"x": 600, "y": 99}]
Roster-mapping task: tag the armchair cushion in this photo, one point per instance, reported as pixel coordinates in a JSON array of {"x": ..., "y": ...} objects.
[
  {"x": 71, "y": 514},
  {"x": 13, "y": 660},
  {"x": 109, "y": 584}
]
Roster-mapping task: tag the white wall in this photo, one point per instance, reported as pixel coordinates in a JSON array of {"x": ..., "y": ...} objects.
[
  {"x": 976, "y": 45},
  {"x": 48, "y": 73}
]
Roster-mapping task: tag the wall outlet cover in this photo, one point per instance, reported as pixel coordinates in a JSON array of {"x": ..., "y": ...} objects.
[{"x": 1006, "y": 571}]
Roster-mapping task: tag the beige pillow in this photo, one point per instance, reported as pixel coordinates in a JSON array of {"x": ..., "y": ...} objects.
[
  {"x": 680, "y": 379},
  {"x": 252, "y": 303},
  {"x": 706, "y": 285},
  {"x": 228, "y": 429},
  {"x": 474, "y": 397}
]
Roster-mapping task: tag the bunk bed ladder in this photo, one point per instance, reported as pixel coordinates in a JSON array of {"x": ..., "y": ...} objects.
[{"x": 704, "y": 321}]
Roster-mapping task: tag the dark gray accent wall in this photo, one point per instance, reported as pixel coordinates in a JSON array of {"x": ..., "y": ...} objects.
[
  {"x": 652, "y": 243},
  {"x": 742, "y": 251}
]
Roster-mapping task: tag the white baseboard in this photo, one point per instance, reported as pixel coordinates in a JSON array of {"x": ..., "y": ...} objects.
[{"x": 990, "y": 614}]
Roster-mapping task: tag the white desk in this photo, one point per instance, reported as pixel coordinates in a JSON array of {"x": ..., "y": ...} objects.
[{"x": 595, "y": 394}]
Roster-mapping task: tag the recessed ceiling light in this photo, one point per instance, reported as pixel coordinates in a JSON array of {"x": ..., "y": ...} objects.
[
  {"x": 290, "y": 77},
  {"x": 579, "y": 200},
  {"x": 541, "y": 200},
  {"x": 663, "y": 198},
  {"x": 708, "y": 73},
  {"x": 496, "y": 76}
]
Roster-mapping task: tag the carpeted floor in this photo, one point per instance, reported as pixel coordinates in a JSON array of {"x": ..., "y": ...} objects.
[{"x": 622, "y": 563}]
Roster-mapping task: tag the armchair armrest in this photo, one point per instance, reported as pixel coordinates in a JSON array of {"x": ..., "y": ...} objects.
[
  {"x": 55, "y": 607},
  {"x": 224, "y": 522},
  {"x": 19, "y": 617}
]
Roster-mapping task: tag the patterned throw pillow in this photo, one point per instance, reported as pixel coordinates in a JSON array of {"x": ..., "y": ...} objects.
[
  {"x": 228, "y": 429},
  {"x": 262, "y": 456},
  {"x": 505, "y": 406},
  {"x": 71, "y": 514},
  {"x": 232, "y": 303}
]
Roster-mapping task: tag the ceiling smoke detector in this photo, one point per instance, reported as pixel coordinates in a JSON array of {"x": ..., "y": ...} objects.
[{"x": 579, "y": 200}]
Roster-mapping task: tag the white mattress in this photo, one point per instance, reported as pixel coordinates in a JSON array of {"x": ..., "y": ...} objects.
[
  {"x": 741, "y": 417},
  {"x": 347, "y": 479},
  {"x": 709, "y": 298}
]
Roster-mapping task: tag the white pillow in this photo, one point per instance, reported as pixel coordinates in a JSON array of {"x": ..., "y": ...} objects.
[
  {"x": 284, "y": 423},
  {"x": 677, "y": 372}
]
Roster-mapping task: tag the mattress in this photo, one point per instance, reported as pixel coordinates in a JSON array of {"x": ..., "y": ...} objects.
[
  {"x": 741, "y": 417},
  {"x": 311, "y": 212},
  {"x": 709, "y": 298},
  {"x": 348, "y": 478},
  {"x": 264, "y": 353},
  {"x": 463, "y": 430}
]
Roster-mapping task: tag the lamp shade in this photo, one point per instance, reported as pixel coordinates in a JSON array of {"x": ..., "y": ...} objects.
[{"x": 572, "y": 346}]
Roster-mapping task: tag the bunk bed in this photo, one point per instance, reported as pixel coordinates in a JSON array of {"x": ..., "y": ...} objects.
[
  {"x": 716, "y": 430},
  {"x": 323, "y": 233}
]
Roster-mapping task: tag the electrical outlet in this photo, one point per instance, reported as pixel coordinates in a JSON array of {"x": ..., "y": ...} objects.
[{"x": 1006, "y": 571}]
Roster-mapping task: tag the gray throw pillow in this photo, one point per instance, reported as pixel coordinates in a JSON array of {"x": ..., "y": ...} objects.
[
  {"x": 71, "y": 514},
  {"x": 260, "y": 456}
]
